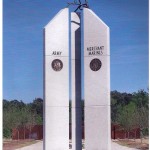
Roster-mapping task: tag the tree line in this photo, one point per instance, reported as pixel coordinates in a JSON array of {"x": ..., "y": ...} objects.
[
  {"x": 17, "y": 114},
  {"x": 130, "y": 111}
]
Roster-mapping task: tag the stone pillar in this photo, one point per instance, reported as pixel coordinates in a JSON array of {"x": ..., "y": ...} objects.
[
  {"x": 56, "y": 82},
  {"x": 96, "y": 82},
  {"x": 76, "y": 81}
]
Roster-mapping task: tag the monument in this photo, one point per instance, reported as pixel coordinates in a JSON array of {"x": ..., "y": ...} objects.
[
  {"x": 96, "y": 82},
  {"x": 56, "y": 84},
  {"x": 64, "y": 37}
]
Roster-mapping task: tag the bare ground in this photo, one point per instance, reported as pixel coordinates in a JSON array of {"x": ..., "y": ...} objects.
[
  {"x": 144, "y": 145},
  {"x": 14, "y": 144},
  {"x": 38, "y": 145}
]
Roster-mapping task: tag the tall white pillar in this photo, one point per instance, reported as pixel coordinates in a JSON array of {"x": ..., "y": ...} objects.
[
  {"x": 56, "y": 83},
  {"x": 76, "y": 81},
  {"x": 96, "y": 82}
]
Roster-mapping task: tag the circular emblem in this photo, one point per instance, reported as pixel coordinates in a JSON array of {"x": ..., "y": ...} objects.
[
  {"x": 57, "y": 64},
  {"x": 95, "y": 64}
]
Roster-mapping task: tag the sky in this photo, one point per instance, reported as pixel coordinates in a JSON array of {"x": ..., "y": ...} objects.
[{"x": 23, "y": 23}]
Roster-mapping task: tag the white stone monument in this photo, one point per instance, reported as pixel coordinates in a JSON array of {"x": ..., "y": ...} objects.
[
  {"x": 62, "y": 33},
  {"x": 96, "y": 82},
  {"x": 56, "y": 128}
]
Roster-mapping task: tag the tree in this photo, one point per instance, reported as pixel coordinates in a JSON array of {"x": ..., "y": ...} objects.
[
  {"x": 37, "y": 105},
  {"x": 11, "y": 120},
  {"x": 142, "y": 116},
  {"x": 118, "y": 101},
  {"x": 115, "y": 107},
  {"x": 126, "y": 117},
  {"x": 121, "y": 98},
  {"x": 16, "y": 104},
  {"x": 141, "y": 99}
]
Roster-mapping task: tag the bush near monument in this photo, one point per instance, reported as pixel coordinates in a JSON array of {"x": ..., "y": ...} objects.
[{"x": 130, "y": 111}]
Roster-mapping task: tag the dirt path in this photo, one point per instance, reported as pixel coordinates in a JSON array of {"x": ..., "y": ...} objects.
[{"x": 39, "y": 146}]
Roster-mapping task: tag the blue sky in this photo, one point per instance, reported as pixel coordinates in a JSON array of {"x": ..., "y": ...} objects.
[{"x": 23, "y": 22}]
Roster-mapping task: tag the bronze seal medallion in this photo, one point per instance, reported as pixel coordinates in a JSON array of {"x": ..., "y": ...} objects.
[
  {"x": 95, "y": 64},
  {"x": 57, "y": 64}
]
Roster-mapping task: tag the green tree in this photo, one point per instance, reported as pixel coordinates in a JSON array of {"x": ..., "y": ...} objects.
[
  {"x": 37, "y": 106},
  {"x": 118, "y": 101},
  {"x": 11, "y": 119},
  {"x": 141, "y": 99},
  {"x": 126, "y": 117},
  {"x": 17, "y": 115}
]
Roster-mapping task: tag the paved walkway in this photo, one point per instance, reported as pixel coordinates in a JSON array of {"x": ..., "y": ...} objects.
[
  {"x": 36, "y": 146},
  {"x": 39, "y": 146},
  {"x": 116, "y": 146}
]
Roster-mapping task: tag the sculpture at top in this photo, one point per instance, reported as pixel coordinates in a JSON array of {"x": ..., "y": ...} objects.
[{"x": 79, "y": 4}]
